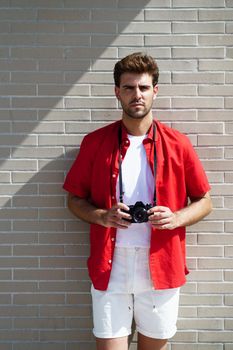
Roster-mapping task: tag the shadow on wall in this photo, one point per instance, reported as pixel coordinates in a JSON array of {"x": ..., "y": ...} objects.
[{"x": 44, "y": 282}]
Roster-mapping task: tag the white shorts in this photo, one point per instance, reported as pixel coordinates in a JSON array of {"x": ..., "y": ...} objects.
[{"x": 130, "y": 294}]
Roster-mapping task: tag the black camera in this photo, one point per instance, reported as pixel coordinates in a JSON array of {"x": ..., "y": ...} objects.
[{"x": 138, "y": 212}]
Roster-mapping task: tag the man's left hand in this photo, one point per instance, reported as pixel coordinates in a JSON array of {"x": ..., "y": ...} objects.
[{"x": 163, "y": 218}]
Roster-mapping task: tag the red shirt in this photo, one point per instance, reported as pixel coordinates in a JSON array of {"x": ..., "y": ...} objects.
[{"x": 180, "y": 176}]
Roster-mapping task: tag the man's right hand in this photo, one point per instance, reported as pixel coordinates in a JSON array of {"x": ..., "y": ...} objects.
[{"x": 116, "y": 217}]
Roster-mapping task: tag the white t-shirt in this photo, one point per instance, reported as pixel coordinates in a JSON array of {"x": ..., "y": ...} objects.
[{"x": 138, "y": 185}]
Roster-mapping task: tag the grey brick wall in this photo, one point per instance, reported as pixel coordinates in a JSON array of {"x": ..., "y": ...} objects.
[{"x": 56, "y": 61}]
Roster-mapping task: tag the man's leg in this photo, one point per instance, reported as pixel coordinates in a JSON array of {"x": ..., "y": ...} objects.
[
  {"x": 146, "y": 343},
  {"x": 112, "y": 343}
]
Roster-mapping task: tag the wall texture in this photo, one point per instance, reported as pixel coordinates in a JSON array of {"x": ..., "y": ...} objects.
[{"x": 56, "y": 61}]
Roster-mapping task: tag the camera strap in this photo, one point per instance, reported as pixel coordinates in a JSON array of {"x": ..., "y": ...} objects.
[{"x": 120, "y": 166}]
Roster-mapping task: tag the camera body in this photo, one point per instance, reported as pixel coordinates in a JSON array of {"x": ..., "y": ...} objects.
[{"x": 138, "y": 212}]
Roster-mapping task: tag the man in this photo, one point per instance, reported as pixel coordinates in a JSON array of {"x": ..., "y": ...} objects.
[{"x": 131, "y": 181}]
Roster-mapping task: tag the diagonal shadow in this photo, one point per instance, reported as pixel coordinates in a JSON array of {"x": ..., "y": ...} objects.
[{"x": 50, "y": 246}]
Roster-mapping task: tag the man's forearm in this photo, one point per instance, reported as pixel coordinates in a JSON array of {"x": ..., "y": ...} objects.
[
  {"x": 163, "y": 218},
  {"x": 85, "y": 210},
  {"x": 194, "y": 212}
]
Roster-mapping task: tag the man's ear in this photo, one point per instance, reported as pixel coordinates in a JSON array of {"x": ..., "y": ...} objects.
[
  {"x": 155, "y": 89},
  {"x": 117, "y": 92}
]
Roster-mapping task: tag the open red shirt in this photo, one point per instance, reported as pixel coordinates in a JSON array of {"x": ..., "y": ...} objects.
[{"x": 180, "y": 176}]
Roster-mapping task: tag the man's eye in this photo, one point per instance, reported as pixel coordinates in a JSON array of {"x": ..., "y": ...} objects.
[{"x": 144, "y": 88}]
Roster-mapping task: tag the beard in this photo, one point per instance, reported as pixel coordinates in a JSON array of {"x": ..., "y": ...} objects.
[{"x": 135, "y": 112}]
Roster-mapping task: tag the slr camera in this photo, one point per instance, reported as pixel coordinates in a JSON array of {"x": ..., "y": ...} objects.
[{"x": 138, "y": 212}]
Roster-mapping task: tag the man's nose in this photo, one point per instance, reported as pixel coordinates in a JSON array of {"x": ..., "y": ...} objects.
[{"x": 137, "y": 93}]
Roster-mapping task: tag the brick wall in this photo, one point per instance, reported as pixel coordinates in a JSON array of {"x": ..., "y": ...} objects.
[{"x": 56, "y": 61}]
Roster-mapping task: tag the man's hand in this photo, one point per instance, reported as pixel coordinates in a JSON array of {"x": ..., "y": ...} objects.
[
  {"x": 116, "y": 217},
  {"x": 163, "y": 218}
]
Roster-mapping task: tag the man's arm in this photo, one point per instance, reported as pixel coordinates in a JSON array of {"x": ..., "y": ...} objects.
[
  {"x": 84, "y": 210},
  {"x": 163, "y": 218}
]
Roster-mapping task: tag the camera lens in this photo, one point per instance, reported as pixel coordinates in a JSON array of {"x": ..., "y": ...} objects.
[{"x": 140, "y": 215}]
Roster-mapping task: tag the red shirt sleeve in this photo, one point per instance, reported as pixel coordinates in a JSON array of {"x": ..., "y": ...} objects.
[
  {"x": 196, "y": 180},
  {"x": 78, "y": 179}
]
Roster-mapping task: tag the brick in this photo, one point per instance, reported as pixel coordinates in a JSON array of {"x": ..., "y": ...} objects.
[
  {"x": 15, "y": 14},
  {"x": 229, "y": 153},
  {"x": 229, "y": 27},
  {"x": 139, "y": 4},
  {"x": 228, "y": 300},
  {"x": 16, "y": 65},
  {"x": 207, "y": 276},
  {"x": 38, "y": 250},
  {"x": 63, "y": 15},
  {"x": 86, "y": 102},
  {"x": 38, "y": 323},
  {"x": 196, "y": 28},
  {"x": 171, "y": 15},
  {"x": 39, "y": 152},
  {"x": 197, "y": 102},
  {"x": 228, "y": 202},
  {"x": 145, "y": 27},
  {"x": 210, "y": 152},
  {"x": 117, "y": 15},
  {"x": 229, "y": 102},
  {"x": 60, "y": 90},
  {"x": 37, "y": 3},
  {"x": 15, "y": 89},
  {"x": 178, "y": 90},
  {"x": 33, "y": 27},
  {"x": 215, "y": 65},
  {"x": 120, "y": 40},
  {"x": 5, "y": 177},
  {"x": 13, "y": 39},
  {"x": 36, "y": 102},
  {"x": 220, "y": 90},
  {"x": 228, "y": 275},
  {"x": 83, "y": 127},
  {"x": 38, "y": 346},
  {"x": 216, "y": 336},
  {"x": 89, "y": 77},
  {"x": 209, "y": 115},
  {"x": 35, "y": 274},
  {"x": 15, "y": 164},
  {"x": 201, "y": 300},
  {"x": 64, "y": 115},
  {"x": 214, "y": 263},
  {"x": 61, "y": 65},
  {"x": 88, "y": 3},
  {"x": 67, "y": 310},
  {"x": 38, "y": 225},
  {"x": 169, "y": 40},
  {"x": 198, "y": 3},
  {"x": 229, "y": 77},
  {"x": 10, "y": 213},
  {"x": 63, "y": 40},
  {"x": 36, "y": 52},
  {"x": 198, "y": 77},
  {"x": 218, "y": 40},
  {"x": 37, "y": 299},
  {"x": 198, "y": 346},
  {"x": 215, "y": 239},
  {"x": 190, "y": 52},
  {"x": 37, "y": 77},
  {"x": 72, "y": 335},
  {"x": 200, "y": 324},
  {"x": 201, "y": 251},
  {"x": 215, "y": 14},
  {"x": 199, "y": 128}
]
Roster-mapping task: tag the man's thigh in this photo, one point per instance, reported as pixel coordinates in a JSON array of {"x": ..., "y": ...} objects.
[
  {"x": 112, "y": 314},
  {"x": 120, "y": 343}
]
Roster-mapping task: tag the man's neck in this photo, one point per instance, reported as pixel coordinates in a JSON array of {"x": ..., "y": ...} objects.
[{"x": 137, "y": 127}]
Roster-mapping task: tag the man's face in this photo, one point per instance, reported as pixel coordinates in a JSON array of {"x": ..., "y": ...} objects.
[{"x": 136, "y": 94}]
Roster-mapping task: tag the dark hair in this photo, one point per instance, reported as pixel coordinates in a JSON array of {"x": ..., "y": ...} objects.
[{"x": 137, "y": 62}]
